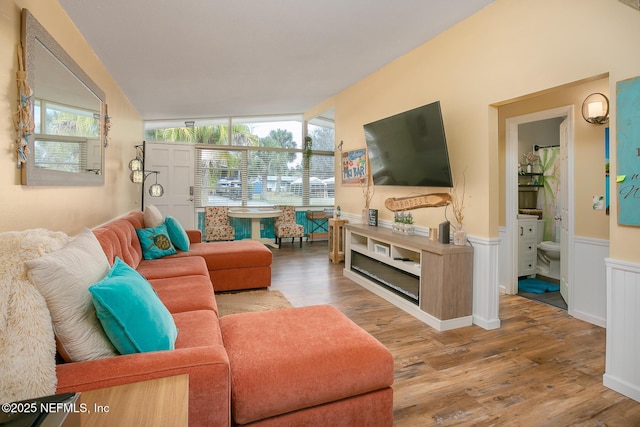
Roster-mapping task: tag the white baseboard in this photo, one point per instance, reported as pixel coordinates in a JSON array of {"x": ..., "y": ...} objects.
[{"x": 621, "y": 386}]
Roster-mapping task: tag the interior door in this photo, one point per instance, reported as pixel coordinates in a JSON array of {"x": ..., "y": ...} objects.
[
  {"x": 175, "y": 162},
  {"x": 564, "y": 211}
]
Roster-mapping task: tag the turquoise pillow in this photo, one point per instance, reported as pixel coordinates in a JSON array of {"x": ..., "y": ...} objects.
[
  {"x": 178, "y": 236},
  {"x": 155, "y": 242},
  {"x": 131, "y": 314}
]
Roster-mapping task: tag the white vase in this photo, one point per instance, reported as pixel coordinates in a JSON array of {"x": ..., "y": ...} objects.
[
  {"x": 529, "y": 168},
  {"x": 459, "y": 236}
]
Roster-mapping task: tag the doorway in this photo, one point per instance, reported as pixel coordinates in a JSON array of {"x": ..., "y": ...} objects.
[
  {"x": 175, "y": 163},
  {"x": 564, "y": 213}
]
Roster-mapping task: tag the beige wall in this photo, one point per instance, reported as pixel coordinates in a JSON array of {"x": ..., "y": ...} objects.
[
  {"x": 588, "y": 152},
  {"x": 500, "y": 54},
  {"x": 62, "y": 208}
]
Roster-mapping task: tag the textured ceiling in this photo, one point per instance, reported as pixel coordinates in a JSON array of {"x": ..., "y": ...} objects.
[{"x": 210, "y": 58}]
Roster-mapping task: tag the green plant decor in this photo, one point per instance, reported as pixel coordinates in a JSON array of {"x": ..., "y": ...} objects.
[
  {"x": 306, "y": 151},
  {"x": 403, "y": 217}
]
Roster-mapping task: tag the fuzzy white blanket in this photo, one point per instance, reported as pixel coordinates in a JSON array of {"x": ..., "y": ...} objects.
[{"x": 27, "y": 343}]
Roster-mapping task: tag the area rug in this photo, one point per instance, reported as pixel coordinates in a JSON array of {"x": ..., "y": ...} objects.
[
  {"x": 536, "y": 286},
  {"x": 245, "y": 301}
]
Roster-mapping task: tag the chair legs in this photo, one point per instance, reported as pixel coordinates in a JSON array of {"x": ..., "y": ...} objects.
[{"x": 293, "y": 240}]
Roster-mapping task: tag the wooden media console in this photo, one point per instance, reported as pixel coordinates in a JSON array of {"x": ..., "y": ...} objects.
[{"x": 429, "y": 280}]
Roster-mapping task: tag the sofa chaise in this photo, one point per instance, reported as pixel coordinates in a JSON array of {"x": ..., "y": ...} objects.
[{"x": 300, "y": 366}]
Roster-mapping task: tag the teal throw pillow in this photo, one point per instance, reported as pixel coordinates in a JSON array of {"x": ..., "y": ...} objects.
[
  {"x": 177, "y": 234},
  {"x": 155, "y": 242},
  {"x": 131, "y": 314}
]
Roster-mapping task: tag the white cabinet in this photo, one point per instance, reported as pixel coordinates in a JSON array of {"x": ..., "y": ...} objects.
[{"x": 527, "y": 245}]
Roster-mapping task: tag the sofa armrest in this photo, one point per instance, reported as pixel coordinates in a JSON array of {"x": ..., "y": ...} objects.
[
  {"x": 195, "y": 236},
  {"x": 207, "y": 367}
]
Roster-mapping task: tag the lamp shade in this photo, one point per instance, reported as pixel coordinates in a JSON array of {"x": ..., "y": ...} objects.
[
  {"x": 595, "y": 109},
  {"x": 137, "y": 176},
  {"x": 135, "y": 164},
  {"x": 156, "y": 190}
]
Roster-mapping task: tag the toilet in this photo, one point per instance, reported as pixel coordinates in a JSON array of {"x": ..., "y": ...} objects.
[{"x": 548, "y": 253}]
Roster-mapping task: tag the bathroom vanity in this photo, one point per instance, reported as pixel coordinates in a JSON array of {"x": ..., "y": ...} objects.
[{"x": 527, "y": 245}]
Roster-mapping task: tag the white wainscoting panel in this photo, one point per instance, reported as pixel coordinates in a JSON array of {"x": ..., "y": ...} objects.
[
  {"x": 590, "y": 280},
  {"x": 505, "y": 254},
  {"x": 485, "y": 282},
  {"x": 622, "y": 370}
]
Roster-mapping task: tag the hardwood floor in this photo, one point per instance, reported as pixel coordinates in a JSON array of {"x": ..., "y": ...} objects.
[{"x": 541, "y": 368}]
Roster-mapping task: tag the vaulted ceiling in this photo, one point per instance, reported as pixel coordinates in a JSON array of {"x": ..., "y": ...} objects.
[{"x": 191, "y": 59}]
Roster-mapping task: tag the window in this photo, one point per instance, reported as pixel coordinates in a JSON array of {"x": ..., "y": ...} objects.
[
  {"x": 80, "y": 149},
  {"x": 265, "y": 164}
]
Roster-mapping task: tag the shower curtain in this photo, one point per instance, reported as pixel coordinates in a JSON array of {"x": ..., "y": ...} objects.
[{"x": 548, "y": 199}]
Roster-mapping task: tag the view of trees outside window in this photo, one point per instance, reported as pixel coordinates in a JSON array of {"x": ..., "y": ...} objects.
[
  {"x": 262, "y": 166},
  {"x": 81, "y": 129}
]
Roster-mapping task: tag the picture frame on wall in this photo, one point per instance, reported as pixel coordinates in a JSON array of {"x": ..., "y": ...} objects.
[
  {"x": 354, "y": 167},
  {"x": 628, "y": 152}
]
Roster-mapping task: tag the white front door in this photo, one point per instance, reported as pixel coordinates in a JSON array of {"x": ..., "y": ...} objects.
[
  {"x": 564, "y": 210},
  {"x": 175, "y": 162}
]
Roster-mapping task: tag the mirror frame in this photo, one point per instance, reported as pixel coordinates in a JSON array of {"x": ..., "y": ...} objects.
[{"x": 32, "y": 33}]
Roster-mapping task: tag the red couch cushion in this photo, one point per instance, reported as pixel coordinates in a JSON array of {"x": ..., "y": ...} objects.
[
  {"x": 286, "y": 360},
  {"x": 198, "y": 328},
  {"x": 172, "y": 267},
  {"x": 230, "y": 255},
  {"x": 185, "y": 293},
  {"x": 119, "y": 239}
]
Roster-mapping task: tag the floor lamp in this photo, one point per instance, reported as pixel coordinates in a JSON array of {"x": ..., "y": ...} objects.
[{"x": 139, "y": 175}]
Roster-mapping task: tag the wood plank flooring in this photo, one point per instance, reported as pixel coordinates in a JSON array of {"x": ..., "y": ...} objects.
[{"x": 541, "y": 368}]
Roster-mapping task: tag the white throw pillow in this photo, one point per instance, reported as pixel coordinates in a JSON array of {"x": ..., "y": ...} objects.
[
  {"x": 64, "y": 278},
  {"x": 152, "y": 217}
]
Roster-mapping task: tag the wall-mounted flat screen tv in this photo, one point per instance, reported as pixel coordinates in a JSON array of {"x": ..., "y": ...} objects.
[{"x": 409, "y": 149}]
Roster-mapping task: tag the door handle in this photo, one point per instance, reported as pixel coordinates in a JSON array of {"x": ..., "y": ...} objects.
[{"x": 522, "y": 231}]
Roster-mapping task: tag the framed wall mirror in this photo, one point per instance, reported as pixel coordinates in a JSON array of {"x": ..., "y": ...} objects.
[{"x": 67, "y": 147}]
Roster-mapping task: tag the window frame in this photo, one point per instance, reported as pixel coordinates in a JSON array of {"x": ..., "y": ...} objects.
[{"x": 245, "y": 150}]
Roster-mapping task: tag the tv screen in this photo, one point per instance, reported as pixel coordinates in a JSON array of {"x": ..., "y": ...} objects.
[{"x": 409, "y": 149}]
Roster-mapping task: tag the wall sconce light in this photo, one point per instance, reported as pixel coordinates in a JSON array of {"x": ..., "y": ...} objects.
[
  {"x": 189, "y": 123},
  {"x": 595, "y": 109}
]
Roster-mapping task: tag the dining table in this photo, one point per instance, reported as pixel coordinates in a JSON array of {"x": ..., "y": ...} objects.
[{"x": 256, "y": 214}]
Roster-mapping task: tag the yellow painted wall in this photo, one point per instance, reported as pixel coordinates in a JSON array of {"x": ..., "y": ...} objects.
[
  {"x": 63, "y": 208},
  {"x": 508, "y": 50}
]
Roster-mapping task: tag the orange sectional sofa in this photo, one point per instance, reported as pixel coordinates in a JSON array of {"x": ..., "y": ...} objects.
[{"x": 301, "y": 366}]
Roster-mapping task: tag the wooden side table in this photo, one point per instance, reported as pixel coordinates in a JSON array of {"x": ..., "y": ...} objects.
[
  {"x": 159, "y": 402},
  {"x": 336, "y": 239},
  {"x": 317, "y": 225}
]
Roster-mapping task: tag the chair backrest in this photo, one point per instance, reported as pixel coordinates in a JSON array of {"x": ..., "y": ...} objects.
[
  {"x": 288, "y": 214},
  {"x": 216, "y": 216}
]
